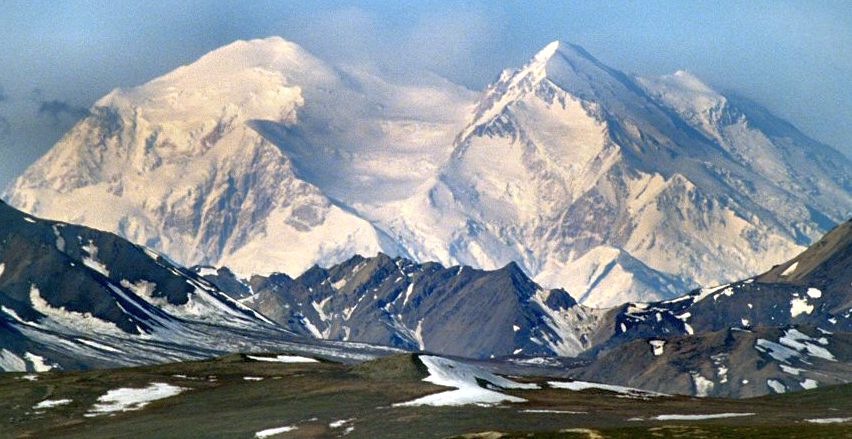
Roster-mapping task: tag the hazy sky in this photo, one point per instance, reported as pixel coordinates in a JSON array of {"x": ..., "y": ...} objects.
[{"x": 57, "y": 58}]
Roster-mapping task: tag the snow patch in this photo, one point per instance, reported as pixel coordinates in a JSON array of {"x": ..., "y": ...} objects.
[
  {"x": 418, "y": 335},
  {"x": 684, "y": 318},
  {"x": 657, "y": 346},
  {"x": 283, "y": 359},
  {"x": 809, "y": 384},
  {"x": 721, "y": 368},
  {"x": 51, "y": 403},
  {"x": 274, "y": 431},
  {"x": 699, "y": 417},
  {"x": 85, "y": 322},
  {"x": 207, "y": 271},
  {"x": 702, "y": 385},
  {"x": 319, "y": 307},
  {"x": 566, "y": 412},
  {"x": 311, "y": 328},
  {"x": 100, "y": 346},
  {"x": 340, "y": 423},
  {"x": 804, "y": 343},
  {"x": 814, "y": 293},
  {"x": 128, "y": 399},
  {"x": 408, "y": 292},
  {"x": 92, "y": 261},
  {"x": 828, "y": 420},
  {"x": 11, "y": 313},
  {"x": 776, "y": 386},
  {"x": 791, "y": 370},
  {"x": 799, "y": 305},
  {"x": 584, "y": 385},
  {"x": 39, "y": 363},
  {"x": 343, "y": 423},
  {"x": 9, "y": 362},
  {"x": 465, "y": 379}
]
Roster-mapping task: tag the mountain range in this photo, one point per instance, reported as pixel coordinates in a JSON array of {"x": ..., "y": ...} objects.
[
  {"x": 76, "y": 298},
  {"x": 570, "y": 221},
  {"x": 265, "y": 159}
]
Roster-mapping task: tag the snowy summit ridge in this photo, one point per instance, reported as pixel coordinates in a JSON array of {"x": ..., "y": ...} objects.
[{"x": 264, "y": 158}]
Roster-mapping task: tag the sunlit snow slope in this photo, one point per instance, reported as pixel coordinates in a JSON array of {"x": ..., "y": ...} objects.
[{"x": 261, "y": 157}]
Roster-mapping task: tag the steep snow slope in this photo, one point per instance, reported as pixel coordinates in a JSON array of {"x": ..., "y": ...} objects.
[
  {"x": 589, "y": 181},
  {"x": 771, "y": 147},
  {"x": 263, "y": 158},
  {"x": 178, "y": 164},
  {"x": 73, "y": 297}
]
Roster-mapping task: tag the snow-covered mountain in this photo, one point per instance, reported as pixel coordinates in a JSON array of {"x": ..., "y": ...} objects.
[
  {"x": 265, "y": 159},
  {"x": 791, "y": 325},
  {"x": 181, "y": 163},
  {"x": 476, "y": 313},
  {"x": 77, "y": 298},
  {"x": 74, "y": 298},
  {"x": 395, "y": 302},
  {"x": 618, "y": 187}
]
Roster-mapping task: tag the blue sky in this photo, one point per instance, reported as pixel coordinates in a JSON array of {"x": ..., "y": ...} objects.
[{"x": 59, "y": 57}]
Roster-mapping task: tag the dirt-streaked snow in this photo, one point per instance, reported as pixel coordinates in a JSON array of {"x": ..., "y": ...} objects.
[
  {"x": 464, "y": 378},
  {"x": 584, "y": 385}
]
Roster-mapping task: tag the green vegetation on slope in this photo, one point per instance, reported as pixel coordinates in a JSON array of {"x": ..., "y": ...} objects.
[{"x": 221, "y": 402}]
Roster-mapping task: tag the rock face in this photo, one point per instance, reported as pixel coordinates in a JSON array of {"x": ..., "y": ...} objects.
[
  {"x": 813, "y": 289},
  {"x": 730, "y": 363},
  {"x": 76, "y": 298},
  {"x": 424, "y": 307},
  {"x": 263, "y": 158},
  {"x": 786, "y": 329}
]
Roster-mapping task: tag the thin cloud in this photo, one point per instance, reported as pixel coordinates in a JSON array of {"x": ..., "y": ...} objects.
[
  {"x": 60, "y": 111},
  {"x": 5, "y": 127},
  {"x": 3, "y": 96},
  {"x": 448, "y": 42}
]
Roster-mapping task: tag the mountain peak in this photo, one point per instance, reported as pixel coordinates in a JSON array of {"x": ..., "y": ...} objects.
[
  {"x": 247, "y": 79},
  {"x": 262, "y": 46},
  {"x": 548, "y": 51},
  {"x": 273, "y": 53},
  {"x": 569, "y": 67},
  {"x": 687, "y": 80},
  {"x": 684, "y": 92},
  {"x": 565, "y": 65},
  {"x": 553, "y": 58}
]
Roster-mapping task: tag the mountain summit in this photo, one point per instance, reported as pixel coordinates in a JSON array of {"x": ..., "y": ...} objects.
[{"x": 264, "y": 158}]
